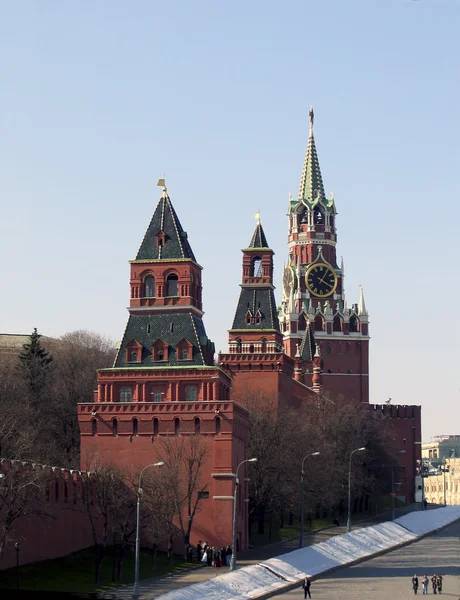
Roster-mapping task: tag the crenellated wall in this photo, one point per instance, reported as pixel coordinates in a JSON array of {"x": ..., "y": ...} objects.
[{"x": 62, "y": 527}]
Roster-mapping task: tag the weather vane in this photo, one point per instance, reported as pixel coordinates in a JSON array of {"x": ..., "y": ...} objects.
[{"x": 257, "y": 217}]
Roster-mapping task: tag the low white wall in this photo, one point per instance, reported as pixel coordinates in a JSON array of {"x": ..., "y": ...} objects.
[{"x": 283, "y": 571}]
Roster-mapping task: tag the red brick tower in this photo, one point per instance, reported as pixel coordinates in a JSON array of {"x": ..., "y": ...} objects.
[
  {"x": 314, "y": 292},
  {"x": 164, "y": 382},
  {"x": 256, "y": 358}
]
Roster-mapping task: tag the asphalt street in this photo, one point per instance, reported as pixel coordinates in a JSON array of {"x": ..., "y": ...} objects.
[{"x": 389, "y": 576}]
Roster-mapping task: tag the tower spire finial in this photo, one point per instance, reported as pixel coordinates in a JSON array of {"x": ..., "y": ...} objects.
[
  {"x": 311, "y": 183},
  {"x": 162, "y": 183},
  {"x": 257, "y": 216}
]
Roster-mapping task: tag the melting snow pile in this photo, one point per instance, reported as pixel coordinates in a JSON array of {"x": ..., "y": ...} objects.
[{"x": 278, "y": 572}]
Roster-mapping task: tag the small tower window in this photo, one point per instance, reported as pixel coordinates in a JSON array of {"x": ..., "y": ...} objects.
[
  {"x": 354, "y": 325},
  {"x": 94, "y": 427},
  {"x": 191, "y": 394},
  {"x": 184, "y": 354},
  {"x": 135, "y": 427},
  {"x": 251, "y": 349},
  {"x": 263, "y": 345},
  {"x": 318, "y": 216},
  {"x": 256, "y": 267},
  {"x": 319, "y": 323},
  {"x": 126, "y": 394},
  {"x": 239, "y": 345},
  {"x": 160, "y": 355},
  {"x": 337, "y": 324},
  {"x": 217, "y": 425},
  {"x": 156, "y": 427},
  {"x": 197, "y": 426},
  {"x": 157, "y": 396},
  {"x": 176, "y": 426},
  {"x": 114, "y": 427},
  {"x": 149, "y": 286},
  {"x": 133, "y": 356},
  {"x": 302, "y": 322},
  {"x": 172, "y": 287}
]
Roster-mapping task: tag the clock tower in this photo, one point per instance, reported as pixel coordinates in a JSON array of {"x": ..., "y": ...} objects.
[{"x": 314, "y": 290}]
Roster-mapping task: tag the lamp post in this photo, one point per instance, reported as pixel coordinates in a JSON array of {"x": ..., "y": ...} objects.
[
  {"x": 393, "y": 493},
  {"x": 16, "y": 547},
  {"x": 302, "y": 473},
  {"x": 444, "y": 468},
  {"x": 138, "y": 540},
  {"x": 349, "y": 487},
  {"x": 233, "y": 559}
]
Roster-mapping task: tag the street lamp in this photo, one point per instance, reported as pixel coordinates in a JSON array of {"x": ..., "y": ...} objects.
[
  {"x": 444, "y": 468},
  {"x": 138, "y": 540},
  {"x": 302, "y": 473},
  {"x": 233, "y": 559},
  {"x": 393, "y": 493},
  {"x": 349, "y": 487}
]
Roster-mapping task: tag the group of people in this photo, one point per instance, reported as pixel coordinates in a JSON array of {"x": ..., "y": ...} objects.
[
  {"x": 436, "y": 584},
  {"x": 211, "y": 555}
]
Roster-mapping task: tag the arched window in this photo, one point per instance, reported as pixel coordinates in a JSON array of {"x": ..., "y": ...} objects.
[
  {"x": 135, "y": 427},
  {"x": 149, "y": 286},
  {"x": 172, "y": 288},
  {"x": 354, "y": 324},
  {"x": 156, "y": 427},
  {"x": 319, "y": 323},
  {"x": 217, "y": 425},
  {"x": 184, "y": 354},
  {"x": 239, "y": 344},
  {"x": 256, "y": 267},
  {"x": 302, "y": 322},
  {"x": 197, "y": 426},
  {"x": 263, "y": 345},
  {"x": 191, "y": 394},
  {"x": 337, "y": 324},
  {"x": 126, "y": 394},
  {"x": 114, "y": 427},
  {"x": 251, "y": 348},
  {"x": 176, "y": 426},
  {"x": 94, "y": 427},
  {"x": 318, "y": 217}
]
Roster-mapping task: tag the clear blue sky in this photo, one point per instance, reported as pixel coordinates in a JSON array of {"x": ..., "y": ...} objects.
[{"x": 98, "y": 99}]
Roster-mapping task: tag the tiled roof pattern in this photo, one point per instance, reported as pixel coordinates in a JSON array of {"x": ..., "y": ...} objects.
[
  {"x": 170, "y": 328},
  {"x": 255, "y": 299},
  {"x": 258, "y": 239},
  {"x": 311, "y": 183},
  {"x": 176, "y": 244},
  {"x": 308, "y": 344}
]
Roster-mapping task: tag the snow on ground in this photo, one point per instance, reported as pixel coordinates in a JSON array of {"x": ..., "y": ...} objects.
[
  {"x": 424, "y": 521},
  {"x": 339, "y": 550},
  {"x": 249, "y": 582},
  {"x": 275, "y": 573}
]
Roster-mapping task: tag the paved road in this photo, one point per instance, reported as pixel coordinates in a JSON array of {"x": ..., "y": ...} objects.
[{"x": 388, "y": 576}]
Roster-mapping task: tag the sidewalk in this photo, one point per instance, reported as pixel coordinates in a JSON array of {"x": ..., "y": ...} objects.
[{"x": 152, "y": 588}]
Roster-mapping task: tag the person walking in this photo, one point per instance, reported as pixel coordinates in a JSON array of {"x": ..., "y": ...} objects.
[
  {"x": 440, "y": 584},
  {"x": 209, "y": 555},
  {"x": 425, "y": 584},
  {"x": 415, "y": 583},
  {"x": 306, "y": 585},
  {"x": 198, "y": 551},
  {"x": 434, "y": 583}
]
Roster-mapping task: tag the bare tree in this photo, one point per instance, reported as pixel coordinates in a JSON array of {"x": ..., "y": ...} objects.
[
  {"x": 102, "y": 488},
  {"x": 21, "y": 494},
  {"x": 184, "y": 458}
]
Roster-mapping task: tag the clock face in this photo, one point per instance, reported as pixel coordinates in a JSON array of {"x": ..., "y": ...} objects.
[
  {"x": 288, "y": 280},
  {"x": 321, "y": 280}
]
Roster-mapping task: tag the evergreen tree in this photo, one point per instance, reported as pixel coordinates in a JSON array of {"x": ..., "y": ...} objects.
[{"x": 35, "y": 363}]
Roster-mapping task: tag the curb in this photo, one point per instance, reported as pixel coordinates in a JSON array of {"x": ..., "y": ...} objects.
[{"x": 295, "y": 585}]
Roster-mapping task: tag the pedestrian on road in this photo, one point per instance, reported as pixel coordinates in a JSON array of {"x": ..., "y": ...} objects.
[
  {"x": 440, "y": 584},
  {"x": 425, "y": 584},
  {"x": 434, "y": 583},
  {"x": 306, "y": 585},
  {"x": 415, "y": 583}
]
